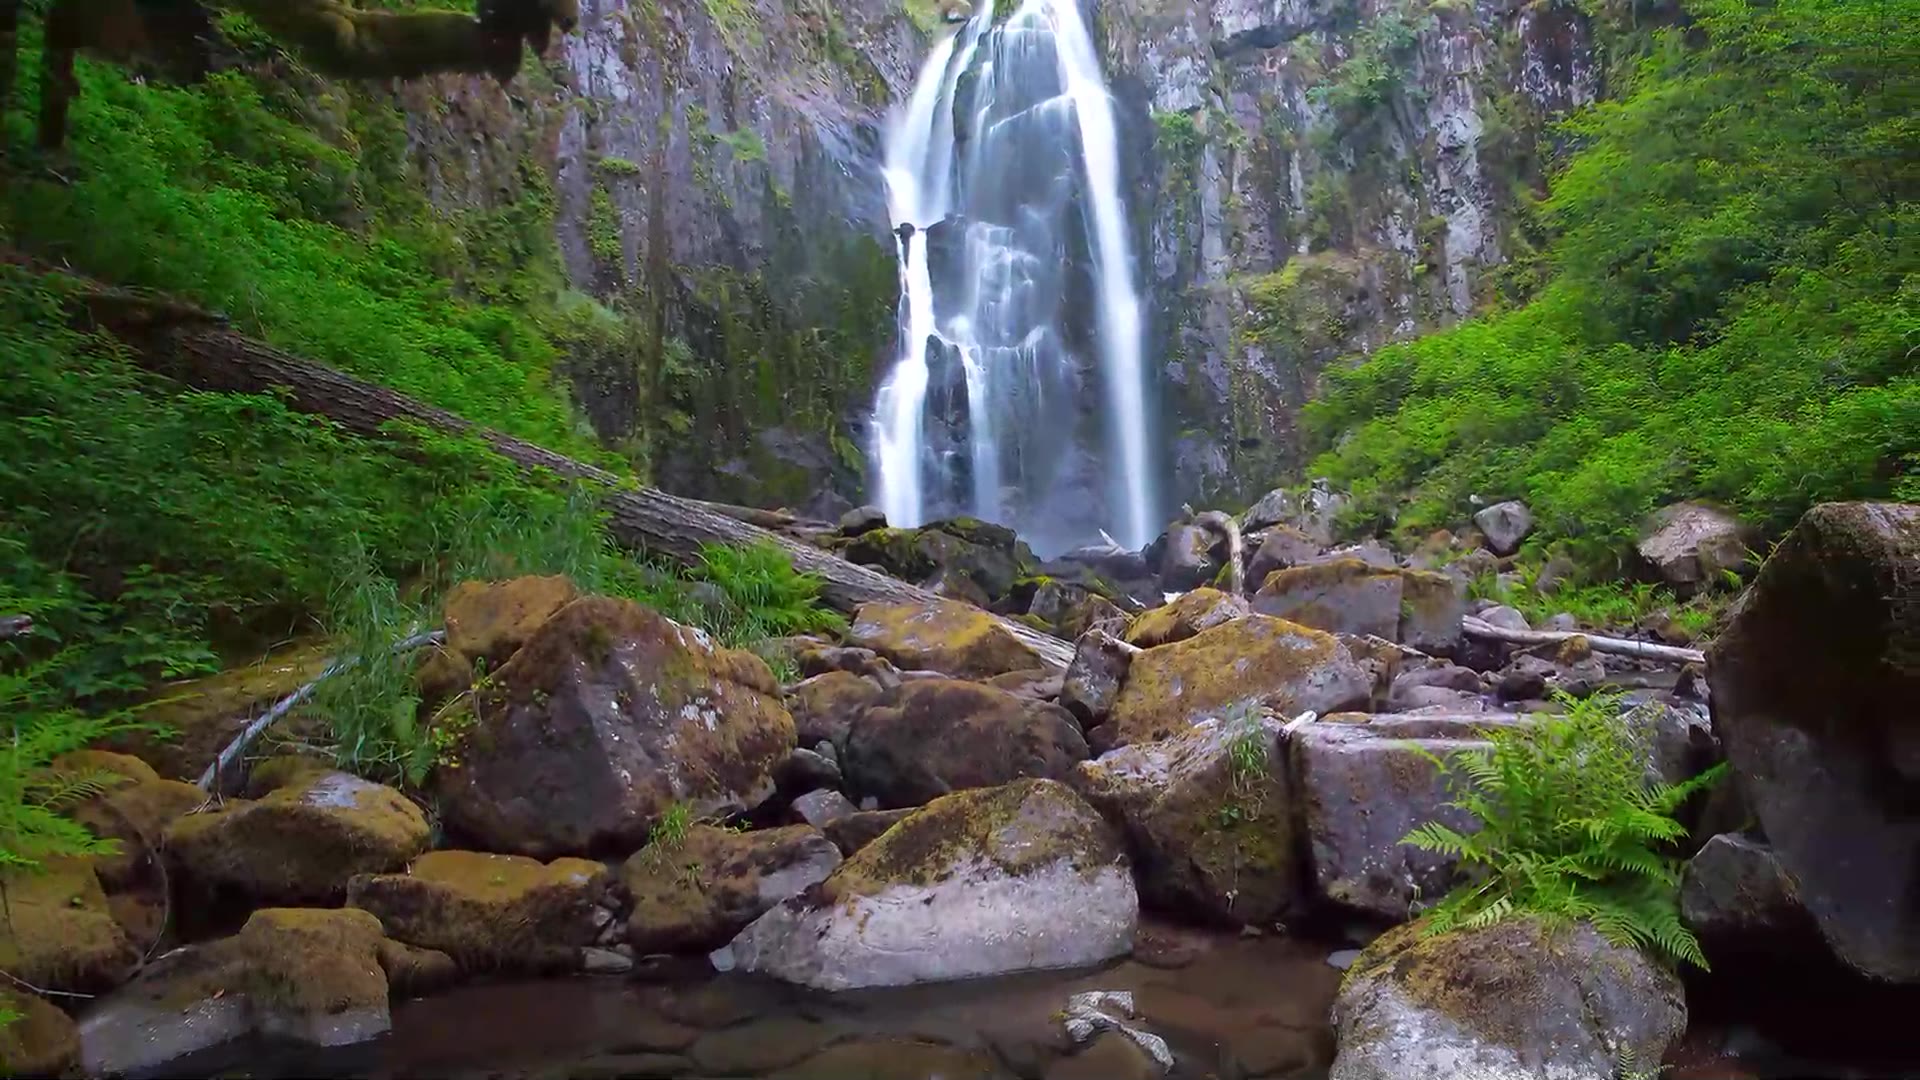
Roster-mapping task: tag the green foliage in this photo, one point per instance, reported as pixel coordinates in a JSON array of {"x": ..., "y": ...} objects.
[
  {"x": 765, "y": 596},
  {"x": 1569, "y": 829},
  {"x": 746, "y": 144},
  {"x": 603, "y": 226},
  {"x": 1604, "y": 604},
  {"x": 1247, "y": 765},
  {"x": 1372, "y": 72},
  {"x": 1733, "y": 308}
]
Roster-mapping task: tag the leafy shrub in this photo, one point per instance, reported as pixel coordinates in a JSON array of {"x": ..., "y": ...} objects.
[
  {"x": 766, "y": 596},
  {"x": 1569, "y": 829}
]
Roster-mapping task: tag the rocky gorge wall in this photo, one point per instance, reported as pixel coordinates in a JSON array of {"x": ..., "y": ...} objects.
[{"x": 1310, "y": 179}]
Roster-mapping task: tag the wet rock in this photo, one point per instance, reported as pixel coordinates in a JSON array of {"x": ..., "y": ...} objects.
[
  {"x": 699, "y": 892},
  {"x": 1505, "y": 525},
  {"x": 302, "y": 976},
  {"x": 1112, "y": 1056},
  {"x": 862, "y": 519},
  {"x": 1419, "y": 609},
  {"x": 823, "y": 707},
  {"x": 42, "y": 1041},
  {"x": 1283, "y": 547},
  {"x": 1279, "y": 1051},
  {"x": 891, "y": 1059},
  {"x": 1250, "y": 663},
  {"x": 982, "y": 882},
  {"x": 204, "y": 715},
  {"x": 1093, "y": 679},
  {"x": 1208, "y": 817},
  {"x": 610, "y": 714},
  {"x": 822, "y": 808},
  {"x": 1736, "y": 895},
  {"x": 1362, "y": 787},
  {"x": 302, "y": 841},
  {"x": 1690, "y": 545},
  {"x": 953, "y": 639},
  {"x": 488, "y": 621},
  {"x": 805, "y": 770},
  {"x": 1517, "y": 999},
  {"x": 489, "y": 912},
  {"x": 929, "y": 738},
  {"x": 1201, "y": 609},
  {"x": 1569, "y": 666},
  {"x": 863, "y": 827},
  {"x": 1814, "y": 683}
]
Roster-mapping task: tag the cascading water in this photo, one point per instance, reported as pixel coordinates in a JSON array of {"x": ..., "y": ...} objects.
[{"x": 1020, "y": 393}]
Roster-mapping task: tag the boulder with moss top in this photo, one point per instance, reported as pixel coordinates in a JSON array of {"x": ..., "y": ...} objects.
[
  {"x": 1519, "y": 1000},
  {"x": 41, "y": 1041},
  {"x": 824, "y": 705},
  {"x": 300, "y": 842},
  {"x": 192, "y": 720},
  {"x": 1192, "y": 612},
  {"x": 317, "y": 979},
  {"x": 954, "y": 639},
  {"x": 696, "y": 892},
  {"x": 1208, "y": 817},
  {"x": 59, "y": 934},
  {"x": 610, "y": 714},
  {"x": 929, "y": 738},
  {"x": 1092, "y": 681},
  {"x": 1070, "y": 610},
  {"x": 490, "y": 912},
  {"x": 984, "y": 882},
  {"x": 988, "y": 555},
  {"x": 488, "y": 621},
  {"x": 1256, "y": 662},
  {"x": 1417, "y": 608}
]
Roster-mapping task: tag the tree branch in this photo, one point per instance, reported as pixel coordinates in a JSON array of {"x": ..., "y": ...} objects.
[{"x": 1645, "y": 650}]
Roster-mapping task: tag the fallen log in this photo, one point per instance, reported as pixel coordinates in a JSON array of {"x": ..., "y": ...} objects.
[
  {"x": 204, "y": 353},
  {"x": 1645, "y": 650}
]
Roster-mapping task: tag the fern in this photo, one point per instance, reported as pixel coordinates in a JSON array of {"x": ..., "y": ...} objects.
[
  {"x": 1570, "y": 830},
  {"x": 765, "y": 596},
  {"x": 33, "y": 792}
]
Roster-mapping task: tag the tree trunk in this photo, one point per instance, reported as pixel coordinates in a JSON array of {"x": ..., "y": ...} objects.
[
  {"x": 198, "y": 350},
  {"x": 1645, "y": 650}
]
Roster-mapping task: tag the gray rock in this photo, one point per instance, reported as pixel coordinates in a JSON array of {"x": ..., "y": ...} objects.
[
  {"x": 1562, "y": 623},
  {"x": 1431, "y": 684},
  {"x": 597, "y": 961},
  {"x": 1814, "y": 687},
  {"x": 822, "y": 808},
  {"x": 1371, "y": 552},
  {"x": 698, "y": 892},
  {"x": 1093, "y": 679},
  {"x": 862, "y": 827},
  {"x": 1505, "y": 526},
  {"x": 1515, "y": 1001},
  {"x": 1421, "y": 609},
  {"x": 1735, "y": 893},
  {"x": 983, "y": 882},
  {"x": 862, "y": 519},
  {"x": 806, "y": 771},
  {"x": 1192, "y": 557},
  {"x": 1282, "y": 547},
  {"x": 1311, "y": 512},
  {"x": 1505, "y": 618},
  {"x": 1361, "y": 787},
  {"x": 1689, "y": 545},
  {"x": 929, "y": 738}
]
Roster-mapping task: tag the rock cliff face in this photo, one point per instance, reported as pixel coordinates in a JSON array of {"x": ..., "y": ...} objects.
[{"x": 1310, "y": 179}]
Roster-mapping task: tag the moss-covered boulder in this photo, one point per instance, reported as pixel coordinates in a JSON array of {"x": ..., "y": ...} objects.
[
  {"x": 310, "y": 977},
  {"x": 488, "y": 621},
  {"x": 697, "y": 892},
  {"x": 934, "y": 736},
  {"x": 1209, "y": 820},
  {"x": 1070, "y": 610},
  {"x": 982, "y": 882},
  {"x": 1250, "y": 663},
  {"x": 1092, "y": 681},
  {"x": 1517, "y": 999},
  {"x": 1201, "y": 609},
  {"x": 490, "y": 912},
  {"x": 1417, "y": 608},
  {"x": 136, "y": 817},
  {"x": 610, "y": 714},
  {"x": 58, "y": 932},
  {"x": 988, "y": 555},
  {"x": 824, "y": 706},
  {"x": 200, "y": 716},
  {"x": 1816, "y": 696},
  {"x": 1279, "y": 548},
  {"x": 42, "y": 1041},
  {"x": 953, "y": 639},
  {"x": 299, "y": 843}
]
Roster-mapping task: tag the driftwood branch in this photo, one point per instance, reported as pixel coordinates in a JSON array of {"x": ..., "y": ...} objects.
[
  {"x": 1645, "y": 650},
  {"x": 12, "y": 626},
  {"x": 209, "y": 356},
  {"x": 233, "y": 750}
]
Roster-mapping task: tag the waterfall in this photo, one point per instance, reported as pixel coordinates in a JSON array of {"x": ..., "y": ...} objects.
[{"x": 1020, "y": 391}]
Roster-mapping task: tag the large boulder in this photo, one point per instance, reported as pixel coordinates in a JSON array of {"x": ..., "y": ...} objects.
[
  {"x": 1505, "y": 525},
  {"x": 1311, "y": 512},
  {"x": 1072, "y": 610},
  {"x": 1418, "y": 608},
  {"x": 697, "y": 892},
  {"x": 316, "y": 979},
  {"x": 607, "y": 716},
  {"x": 823, "y": 706},
  {"x": 1280, "y": 548},
  {"x": 1516, "y": 999},
  {"x": 488, "y": 621},
  {"x": 300, "y": 842},
  {"x": 1192, "y": 612},
  {"x": 1738, "y": 898},
  {"x": 1691, "y": 545},
  {"x": 954, "y": 639},
  {"x": 1208, "y": 817},
  {"x": 940, "y": 735},
  {"x": 1249, "y": 663},
  {"x": 1814, "y": 682},
  {"x": 40, "y": 1040},
  {"x": 58, "y": 933},
  {"x": 1362, "y": 786},
  {"x": 1093, "y": 680},
  {"x": 490, "y": 912},
  {"x": 988, "y": 555},
  {"x": 982, "y": 882},
  {"x": 1193, "y": 556}
]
